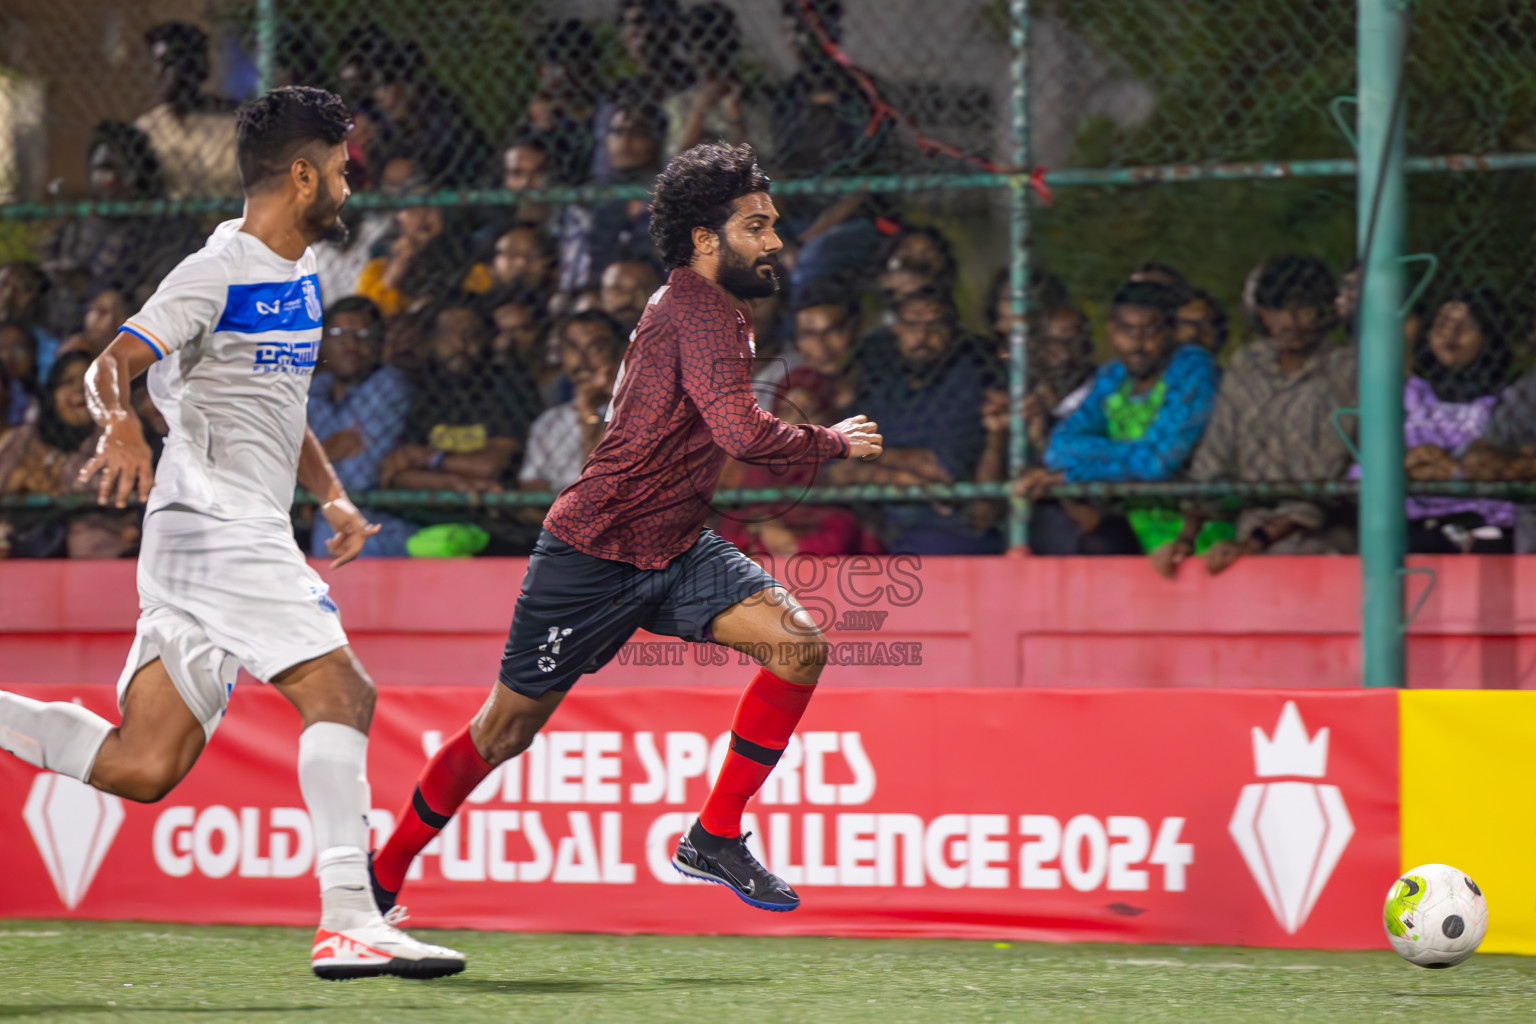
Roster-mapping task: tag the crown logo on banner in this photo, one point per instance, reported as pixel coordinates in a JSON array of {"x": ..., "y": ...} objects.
[
  {"x": 1289, "y": 751},
  {"x": 1291, "y": 833}
]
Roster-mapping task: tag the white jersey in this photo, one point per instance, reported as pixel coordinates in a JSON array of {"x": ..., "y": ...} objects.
[{"x": 237, "y": 330}]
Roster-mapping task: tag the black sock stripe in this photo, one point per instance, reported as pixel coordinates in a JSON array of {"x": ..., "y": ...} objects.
[
  {"x": 427, "y": 814},
  {"x": 755, "y": 751}
]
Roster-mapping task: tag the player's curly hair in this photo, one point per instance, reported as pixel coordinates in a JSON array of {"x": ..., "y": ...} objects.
[
  {"x": 273, "y": 128},
  {"x": 696, "y": 190}
]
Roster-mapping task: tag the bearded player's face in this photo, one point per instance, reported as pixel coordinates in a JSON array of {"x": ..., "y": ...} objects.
[
  {"x": 323, "y": 215},
  {"x": 750, "y": 248}
]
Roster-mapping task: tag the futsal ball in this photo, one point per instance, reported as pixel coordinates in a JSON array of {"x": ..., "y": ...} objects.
[{"x": 1435, "y": 916}]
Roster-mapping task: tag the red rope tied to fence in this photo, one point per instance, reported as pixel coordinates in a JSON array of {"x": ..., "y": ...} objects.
[{"x": 884, "y": 110}]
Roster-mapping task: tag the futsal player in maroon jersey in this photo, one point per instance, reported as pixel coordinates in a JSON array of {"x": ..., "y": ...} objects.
[{"x": 624, "y": 547}]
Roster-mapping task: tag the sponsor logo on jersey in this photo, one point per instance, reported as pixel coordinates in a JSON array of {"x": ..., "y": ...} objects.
[
  {"x": 272, "y": 306},
  {"x": 311, "y": 288},
  {"x": 285, "y": 356}
]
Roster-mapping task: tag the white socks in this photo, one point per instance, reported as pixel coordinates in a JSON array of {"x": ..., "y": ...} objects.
[
  {"x": 333, "y": 765},
  {"x": 61, "y": 737}
]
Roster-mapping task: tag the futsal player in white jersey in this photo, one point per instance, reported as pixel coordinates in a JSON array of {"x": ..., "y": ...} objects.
[{"x": 229, "y": 341}]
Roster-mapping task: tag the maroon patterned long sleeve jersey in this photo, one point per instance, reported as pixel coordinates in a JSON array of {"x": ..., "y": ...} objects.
[{"x": 682, "y": 403}]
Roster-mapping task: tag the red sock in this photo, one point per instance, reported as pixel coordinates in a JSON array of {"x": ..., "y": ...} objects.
[
  {"x": 450, "y": 775},
  {"x": 770, "y": 709}
]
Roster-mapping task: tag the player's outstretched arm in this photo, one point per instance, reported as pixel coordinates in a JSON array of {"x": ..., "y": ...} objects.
[
  {"x": 122, "y": 456},
  {"x": 863, "y": 437},
  {"x": 319, "y": 478},
  {"x": 715, "y": 375}
]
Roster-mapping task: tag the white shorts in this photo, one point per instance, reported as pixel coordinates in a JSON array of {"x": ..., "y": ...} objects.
[{"x": 217, "y": 594}]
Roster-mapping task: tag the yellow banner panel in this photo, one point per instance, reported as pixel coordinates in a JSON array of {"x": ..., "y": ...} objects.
[{"x": 1469, "y": 798}]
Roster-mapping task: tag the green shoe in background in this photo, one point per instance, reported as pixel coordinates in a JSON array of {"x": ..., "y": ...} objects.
[{"x": 447, "y": 540}]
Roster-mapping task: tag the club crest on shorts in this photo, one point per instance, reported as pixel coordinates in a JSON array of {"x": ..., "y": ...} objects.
[{"x": 322, "y": 591}]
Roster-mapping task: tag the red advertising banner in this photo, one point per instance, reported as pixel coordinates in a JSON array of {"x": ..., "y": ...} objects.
[{"x": 1257, "y": 817}]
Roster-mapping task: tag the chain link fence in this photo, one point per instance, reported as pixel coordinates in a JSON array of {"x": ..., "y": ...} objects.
[{"x": 499, "y": 254}]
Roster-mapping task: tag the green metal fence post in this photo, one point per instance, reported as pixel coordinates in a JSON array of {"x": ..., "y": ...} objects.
[
  {"x": 1382, "y": 205},
  {"x": 1018, "y": 263},
  {"x": 266, "y": 42}
]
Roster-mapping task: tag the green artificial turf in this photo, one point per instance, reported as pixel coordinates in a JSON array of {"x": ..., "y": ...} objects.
[{"x": 52, "y": 970}]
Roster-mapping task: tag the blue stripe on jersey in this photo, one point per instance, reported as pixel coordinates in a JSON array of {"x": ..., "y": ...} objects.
[{"x": 272, "y": 306}]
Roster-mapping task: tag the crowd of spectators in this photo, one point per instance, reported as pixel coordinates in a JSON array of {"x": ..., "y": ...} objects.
[{"x": 475, "y": 350}]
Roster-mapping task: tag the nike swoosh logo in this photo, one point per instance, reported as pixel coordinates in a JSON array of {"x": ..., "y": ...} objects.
[{"x": 738, "y": 883}]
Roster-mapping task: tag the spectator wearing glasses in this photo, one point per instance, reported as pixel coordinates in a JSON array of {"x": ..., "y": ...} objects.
[
  {"x": 826, "y": 325},
  {"x": 357, "y": 404},
  {"x": 357, "y": 408}
]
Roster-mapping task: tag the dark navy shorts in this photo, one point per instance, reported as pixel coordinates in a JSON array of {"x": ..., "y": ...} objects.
[{"x": 576, "y": 610}]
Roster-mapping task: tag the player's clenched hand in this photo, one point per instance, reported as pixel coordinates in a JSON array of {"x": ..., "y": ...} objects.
[
  {"x": 863, "y": 435},
  {"x": 352, "y": 530},
  {"x": 124, "y": 461}
]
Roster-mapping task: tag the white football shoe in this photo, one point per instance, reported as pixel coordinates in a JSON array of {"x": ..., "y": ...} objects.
[{"x": 379, "y": 948}]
